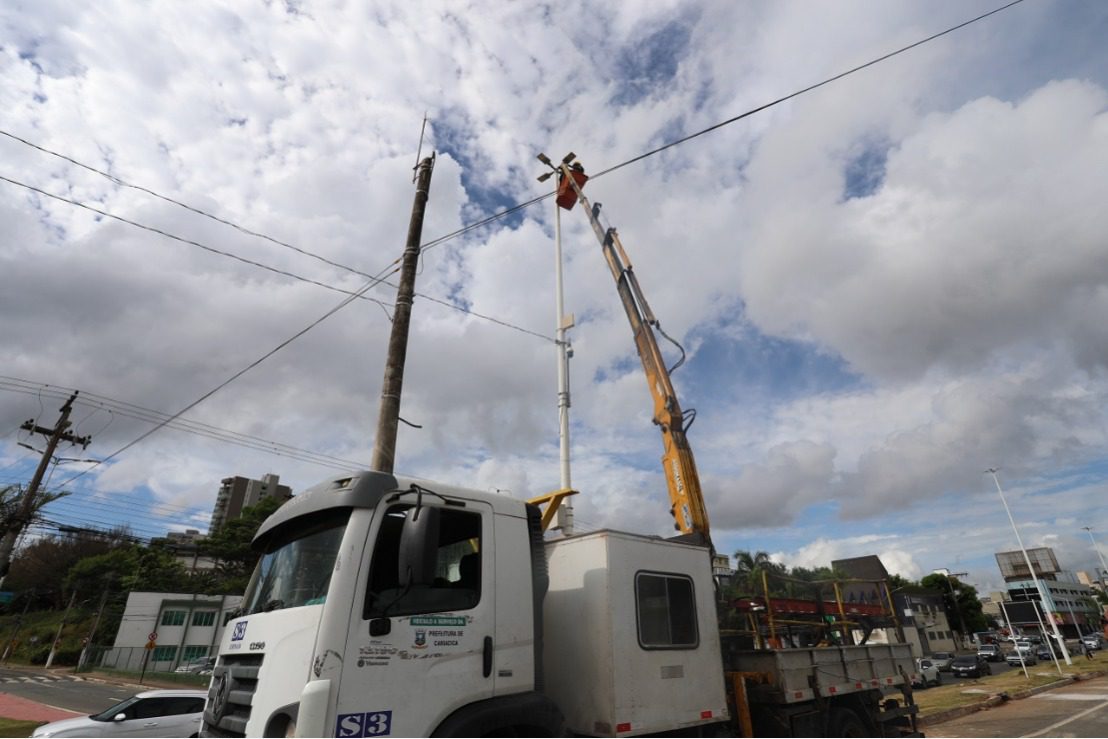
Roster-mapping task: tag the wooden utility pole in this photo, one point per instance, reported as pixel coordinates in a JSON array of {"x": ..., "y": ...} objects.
[
  {"x": 19, "y": 522},
  {"x": 384, "y": 448}
]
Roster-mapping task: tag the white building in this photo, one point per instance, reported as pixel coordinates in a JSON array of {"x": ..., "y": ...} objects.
[{"x": 184, "y": 627}]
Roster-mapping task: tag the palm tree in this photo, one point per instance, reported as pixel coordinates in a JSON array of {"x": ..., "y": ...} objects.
[{"x": 749, "y": 568}]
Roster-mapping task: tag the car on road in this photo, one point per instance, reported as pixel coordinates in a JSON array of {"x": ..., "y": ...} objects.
[
  {"x": 1025, "y": 647},
  {"x": 942, "y": 660},
  {"x": 1043, "y": 653},
  {"x": 1093, "y": 641},
  {"x": 1028, "y": 659},
  {"x": 970, "y": 665},
  {"x": 167, "y": 713},
  {"x": 200, "y": 666},
  {"x": 927, "y": 674},
  {"x": 990, "y": 652}
]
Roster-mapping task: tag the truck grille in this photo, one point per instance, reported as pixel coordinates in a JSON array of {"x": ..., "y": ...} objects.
[{"x": 230, "y": 695}]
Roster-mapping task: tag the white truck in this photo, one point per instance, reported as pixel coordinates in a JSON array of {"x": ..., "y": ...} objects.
[{"x": 389, "y": 606}]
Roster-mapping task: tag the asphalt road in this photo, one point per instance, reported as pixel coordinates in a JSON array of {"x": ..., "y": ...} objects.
[
  {"x": 1077, "y": 710},
  {"x": 62, "y": 690}
]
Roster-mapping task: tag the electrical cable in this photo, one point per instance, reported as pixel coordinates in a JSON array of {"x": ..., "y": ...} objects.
[
  {"x": 186, "y": 206},
  {"x": 251, "y": 232},
  {"x": 727, "y": 122},
  {"x": 193, "y": 242},
  {"x": 131, "y": 410},
  {"x": 342, "y": 304}
]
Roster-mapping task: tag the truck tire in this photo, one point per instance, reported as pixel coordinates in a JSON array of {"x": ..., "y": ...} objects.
[
  {"x": 845, "y": 723},
  {"x": 523, "y": 714}
]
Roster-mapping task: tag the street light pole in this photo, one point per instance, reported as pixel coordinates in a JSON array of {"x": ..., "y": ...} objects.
[
  {"x": 1103, "y": 567},
  {"x": 1038, "y": 585}
]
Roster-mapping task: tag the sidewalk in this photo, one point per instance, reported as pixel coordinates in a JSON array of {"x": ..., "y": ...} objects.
[{"x": 21, "y": 709}]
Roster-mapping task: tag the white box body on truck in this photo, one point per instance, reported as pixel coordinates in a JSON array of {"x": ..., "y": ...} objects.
[
  {"x": 384, "y": 606},
  {"x": 632, "y": 642}
]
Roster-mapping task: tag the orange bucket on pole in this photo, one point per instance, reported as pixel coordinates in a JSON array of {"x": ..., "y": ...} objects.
[{"x": 567, "y": 196}]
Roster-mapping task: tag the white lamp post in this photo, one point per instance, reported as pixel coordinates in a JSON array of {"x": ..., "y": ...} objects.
[{"x": 1038, "y": 585}]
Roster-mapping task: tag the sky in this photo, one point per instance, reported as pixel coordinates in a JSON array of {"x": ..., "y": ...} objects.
[{"x": 885, "y": 285}]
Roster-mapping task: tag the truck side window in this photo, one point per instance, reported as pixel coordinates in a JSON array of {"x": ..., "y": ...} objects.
[
  {"x": 666, "y": 611},
  {"x": 457, "y": 583}
]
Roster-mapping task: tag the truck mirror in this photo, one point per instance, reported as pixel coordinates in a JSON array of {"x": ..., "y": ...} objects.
[{"x": 419, "y": 546}]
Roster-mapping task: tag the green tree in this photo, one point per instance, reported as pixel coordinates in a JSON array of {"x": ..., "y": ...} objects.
[
  {"x": 961, "y": 606},
  {"x": 37, "y": 566},
  {"x": 230, "y": 545},
  {"x": 749, "y": 569},
  {"x": 127, "y": 568}
]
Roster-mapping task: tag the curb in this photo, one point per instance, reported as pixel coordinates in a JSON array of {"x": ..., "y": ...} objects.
[{"x": 998, "y": 698}]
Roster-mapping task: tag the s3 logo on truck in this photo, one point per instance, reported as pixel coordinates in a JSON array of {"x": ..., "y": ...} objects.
[{"x": 370, "y": 723}]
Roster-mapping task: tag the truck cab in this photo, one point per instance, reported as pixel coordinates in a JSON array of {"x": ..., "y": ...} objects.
[{"x": 380, "y": 607}]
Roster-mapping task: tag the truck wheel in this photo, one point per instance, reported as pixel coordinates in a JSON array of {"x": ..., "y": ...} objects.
[{"x": 845, "y": 723}]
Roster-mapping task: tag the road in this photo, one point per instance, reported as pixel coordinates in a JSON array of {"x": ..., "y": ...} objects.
[
  {"x": 62, "y": 690},
  {"x": 1077, "y": 710}
]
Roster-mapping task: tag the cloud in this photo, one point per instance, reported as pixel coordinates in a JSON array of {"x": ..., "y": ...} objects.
[{"x": 884, "y": 285}]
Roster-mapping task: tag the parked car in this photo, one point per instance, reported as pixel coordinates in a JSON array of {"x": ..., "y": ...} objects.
[
  {"x": 942, "y": 660},
  {"x": 1028, "y": 659},
  {"x": 1043, "y": 653},
  {"x": 200, "y": 666},
  {"x": 169, "y": 713},
  {"x": 927, "y": 674},
  {"x": 970, "y": 665},
  {"x": 990, "y": 652},
  {"x": 1025, "y": 647},
  {"x": 1093, "y": 641}
]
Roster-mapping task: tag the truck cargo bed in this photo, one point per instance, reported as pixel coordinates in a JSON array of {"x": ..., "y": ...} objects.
[{"x": 796, "y": 675}]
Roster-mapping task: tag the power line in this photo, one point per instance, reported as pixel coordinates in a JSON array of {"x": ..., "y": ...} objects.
[
  {"x": 197, "y": 428},
  {"x": 727, "y": 122},
  {"x": 186, "y": 206},
  {"x": 193, "y": 242},
  {"x": 342, "y": 304},
  {"x": 260, "y": 235},
  {"x": 790, "y": 96}
]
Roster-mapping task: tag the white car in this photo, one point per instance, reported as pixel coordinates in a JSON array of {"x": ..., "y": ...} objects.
[
  {"x": 927, "y": 673},
  {"x": 167, "y": 713}
]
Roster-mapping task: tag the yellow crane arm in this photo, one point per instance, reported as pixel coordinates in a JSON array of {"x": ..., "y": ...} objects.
[{"x": 686, "y": 497}]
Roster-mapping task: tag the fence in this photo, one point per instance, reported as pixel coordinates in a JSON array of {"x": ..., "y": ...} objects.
[{"x": 139, "y": 660}]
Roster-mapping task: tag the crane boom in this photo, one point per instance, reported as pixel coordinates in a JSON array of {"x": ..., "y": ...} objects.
[{"x": 686, "y": 497}]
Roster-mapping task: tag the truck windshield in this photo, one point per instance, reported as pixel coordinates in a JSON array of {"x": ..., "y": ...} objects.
[{"x": 296, "y": 564}]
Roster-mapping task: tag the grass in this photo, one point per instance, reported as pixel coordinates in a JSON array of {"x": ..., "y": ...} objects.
[
  {"x": 11, "y": 727},
  {"x": 952, "y": 693}
]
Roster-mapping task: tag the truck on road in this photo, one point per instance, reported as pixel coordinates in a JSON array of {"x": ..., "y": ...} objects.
[{"x": 384, "y": 605}]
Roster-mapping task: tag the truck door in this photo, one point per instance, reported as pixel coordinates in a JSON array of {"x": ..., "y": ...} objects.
[{"x": 421, "y": 634}]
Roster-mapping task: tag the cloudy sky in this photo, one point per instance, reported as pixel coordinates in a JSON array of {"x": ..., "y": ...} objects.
[{"x": 885, "y": 285}]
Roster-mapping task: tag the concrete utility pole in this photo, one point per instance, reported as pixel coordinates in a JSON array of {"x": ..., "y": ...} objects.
[
  {"x": 957, "y": 606},
  {"x": 384, "y": 448},
  {"x": 58, "y": 638},
  {"x": 92, "y": 632},
  {"x": 27, "y": 502}
]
